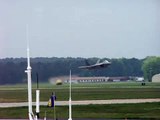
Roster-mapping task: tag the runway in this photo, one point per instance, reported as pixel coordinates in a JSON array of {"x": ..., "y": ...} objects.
[{"x": 83, "y": 102}]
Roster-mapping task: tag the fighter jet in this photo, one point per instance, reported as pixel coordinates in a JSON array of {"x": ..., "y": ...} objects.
[{"x": 98, "y": 65}]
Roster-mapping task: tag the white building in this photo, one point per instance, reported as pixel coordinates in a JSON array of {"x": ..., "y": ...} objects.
[
  {"x": 88, "y": 79},
  {"x": 156, "y": 78},
  {"x": 97, "y": 79}
]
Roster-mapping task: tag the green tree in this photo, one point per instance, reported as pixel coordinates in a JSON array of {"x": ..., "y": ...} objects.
[{"x": 150, "y": 67}]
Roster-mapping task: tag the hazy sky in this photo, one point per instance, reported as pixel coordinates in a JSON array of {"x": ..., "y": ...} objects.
[{"x": 80, "y": 28}]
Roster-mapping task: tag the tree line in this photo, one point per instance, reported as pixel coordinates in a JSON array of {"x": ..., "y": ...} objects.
[{"x": 12, "y": 69}]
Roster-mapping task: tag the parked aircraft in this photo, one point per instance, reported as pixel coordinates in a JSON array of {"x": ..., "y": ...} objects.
[{"x": 98, "y": 65}]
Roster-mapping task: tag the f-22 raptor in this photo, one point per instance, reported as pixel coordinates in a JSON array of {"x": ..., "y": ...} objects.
[{"x": 98, "y": 65}]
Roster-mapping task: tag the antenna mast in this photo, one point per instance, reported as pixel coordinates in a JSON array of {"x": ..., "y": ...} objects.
[{"x": 28, "y": 71}]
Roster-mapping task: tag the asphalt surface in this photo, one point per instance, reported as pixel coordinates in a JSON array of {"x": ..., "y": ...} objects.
[{"x": 84, "y": 102}]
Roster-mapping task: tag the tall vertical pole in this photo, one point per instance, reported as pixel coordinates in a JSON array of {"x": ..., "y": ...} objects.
[
  {"x": 70, "y": 100},
  {"x": 37, "y": 98},
  {"x": 28, "y": 71},
  {"x": 55, "y": 117}
]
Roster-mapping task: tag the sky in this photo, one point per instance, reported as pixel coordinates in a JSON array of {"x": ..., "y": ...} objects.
[{"x": 80, "y": 28}]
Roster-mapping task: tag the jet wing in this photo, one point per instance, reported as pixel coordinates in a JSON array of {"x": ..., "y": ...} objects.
[
  {"x": 89, "y": 67},
  {"x": 86, "y": 67}
]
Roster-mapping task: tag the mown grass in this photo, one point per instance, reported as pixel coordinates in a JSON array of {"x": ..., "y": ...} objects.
[
  {"x": 140, "y": 110},
  {"x": 18, "y": 93},
  {"x": 84, "y": 85}
]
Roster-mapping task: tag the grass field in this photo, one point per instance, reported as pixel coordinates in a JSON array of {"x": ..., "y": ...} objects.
[
  {"x": 104, "y": 91},
  {"x": 143, "y": 111},
  {"x": 18, "y": 93}
]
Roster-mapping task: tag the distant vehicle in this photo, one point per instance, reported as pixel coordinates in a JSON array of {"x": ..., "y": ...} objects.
[
  {"x": 98, "y": 65},
  {"x": 58, "y": 82}
]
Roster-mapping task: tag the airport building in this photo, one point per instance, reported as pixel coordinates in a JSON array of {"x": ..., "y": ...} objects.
[
  {"x": 97, "y": 79},
  {"x": 88, "y": 79}
]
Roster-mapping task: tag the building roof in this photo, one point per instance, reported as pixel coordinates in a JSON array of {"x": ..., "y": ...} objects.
[{"x": 156, "y": 78}]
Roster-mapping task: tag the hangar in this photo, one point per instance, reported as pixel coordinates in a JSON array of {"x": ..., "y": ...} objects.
[{"x": 156, "y": 78}]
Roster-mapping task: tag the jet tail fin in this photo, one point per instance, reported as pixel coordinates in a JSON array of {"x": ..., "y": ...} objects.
[
  {"x": 87, "y": 63},
  {"x": 98, "y": 61}
]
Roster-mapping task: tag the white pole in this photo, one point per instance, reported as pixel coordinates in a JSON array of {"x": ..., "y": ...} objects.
[
  {"x": 45, "y": 118},
  {"x": 28, "y": 71},
  {"x": 37, "y": 99},
  {"x": 55, "y": 117},
  {"x": 37, "y": 102},
  {"x": 70, "y": 100}
]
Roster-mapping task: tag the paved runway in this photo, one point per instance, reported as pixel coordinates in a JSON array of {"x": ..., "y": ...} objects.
[{"x": 83, "y": 102}]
